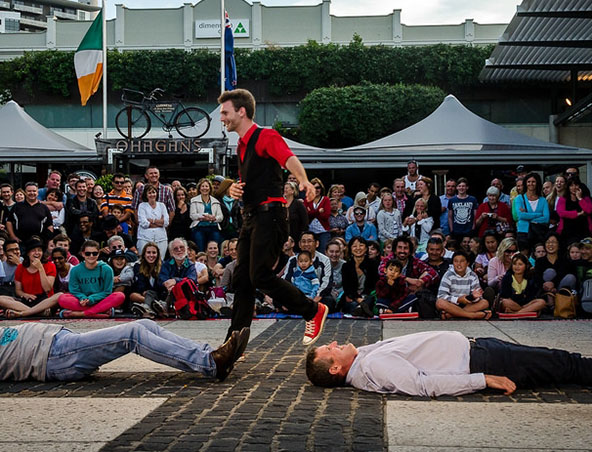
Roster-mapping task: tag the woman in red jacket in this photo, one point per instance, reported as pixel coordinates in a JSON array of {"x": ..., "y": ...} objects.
[{"x": 319, "y": 210}]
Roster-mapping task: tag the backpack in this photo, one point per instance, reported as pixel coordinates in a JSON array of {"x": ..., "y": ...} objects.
[{"x": 189, "y": 302}]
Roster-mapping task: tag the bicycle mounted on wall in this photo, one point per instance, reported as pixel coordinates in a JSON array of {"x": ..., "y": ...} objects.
[{"x": 133, "y": 121}]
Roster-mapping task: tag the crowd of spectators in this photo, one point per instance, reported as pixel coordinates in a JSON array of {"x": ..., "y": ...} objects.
[{"x": 74, "y": 249}]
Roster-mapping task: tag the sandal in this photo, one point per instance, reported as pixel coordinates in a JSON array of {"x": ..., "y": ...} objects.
[
  {"x": 65, "y": 314},
  {"x": 11, "y": 314}
]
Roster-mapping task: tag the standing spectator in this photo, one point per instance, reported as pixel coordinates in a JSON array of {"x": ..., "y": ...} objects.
[
  {"x": 54, "y": 180},
  {"x": 63, "y": 241},
  {"x": 19, "y": 195},
  {"x": 419, "y": 224},
  {"x": 399, "y": 195},
  {"x": 493, "y": 215},
  {"x": 337, "y": 221},
  {"x": 572, "y": 172},
  {"x": 503, "y": 197},
  {"x": 153, "y": 219},
  {"x": 461, "y": 211},
  {"x": 231, "y": 210},
  {"x": 460, "y": 294},
  {"x": 520, "y": 175},
  {"x": 6, "y": 193},
  {"x": 206, "y": 214},
  {"x": 359, "y": 275},
  {"x": 98, "y": 194},
  {"x": 559, "y": 190},
  {"x": 433, "y": 205},
  {"x": 78, "y": 205},
  {"x": 388, "y": 219},
  {"x": 118, "y": 196},
  {"x": 345, "y": 200},
  {"x": 333, "y": 193},
  {"x": 450, "y": 193},
  {"x": 361, "y": 227},
  {"x": 33, "y": 282},
  {"x": 547, "y": 188},
  {"x": 372, "y": 198},
  {"x": 191, "y": 191},
  {"x": 297, "y": 215},
  {"x": 90, "y": 187},
  {"x": 58, "y": 215},
  {"x": 30, "y": 217},
  {"x": 71, "y": 185},
  {"x": 532, "y": 211},
  {"x": 574, "y": 210},
  {"x": 179, "y": 225},
  {"x": 319, "y": 211},
  {"x": 91, "y": 288},
  {"x": 500, "y": 264},
  {"x": 519, "y": 291},
  {"x": 411, "y": 177},
  {"x": 165, "y": 193}
]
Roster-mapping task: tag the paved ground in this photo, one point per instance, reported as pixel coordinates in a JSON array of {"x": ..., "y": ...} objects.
[{"x": 267, "y": 404}]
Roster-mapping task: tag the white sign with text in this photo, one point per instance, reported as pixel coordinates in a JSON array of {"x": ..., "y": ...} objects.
[{"x": 211, "y": 28}]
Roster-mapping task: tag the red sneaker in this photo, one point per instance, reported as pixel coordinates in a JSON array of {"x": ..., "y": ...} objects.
[{"x": 314, "y": 327}]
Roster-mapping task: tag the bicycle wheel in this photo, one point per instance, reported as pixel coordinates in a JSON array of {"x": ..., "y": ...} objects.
[
  {"x": 132, "y": 122},
  {"x": 192, "y": 122}
]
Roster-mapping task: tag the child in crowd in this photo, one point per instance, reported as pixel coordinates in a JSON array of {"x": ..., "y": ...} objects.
[
  {"x": 392, "y": 293},
  {"x": 305, "y": 277},
  {"x": 117, "y": 211},
  {"x": 574, "y": 251},
  {"x": 63, "y": 241}
]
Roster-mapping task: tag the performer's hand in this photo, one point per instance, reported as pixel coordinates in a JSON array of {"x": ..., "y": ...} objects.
[
  {"x": 503, "y": 383},
  {"x": 236, "y": 190},
  {"x": 309, "y": 188}
]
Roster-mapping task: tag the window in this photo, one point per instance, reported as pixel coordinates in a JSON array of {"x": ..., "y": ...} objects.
[{"x": 12, "y": 25}]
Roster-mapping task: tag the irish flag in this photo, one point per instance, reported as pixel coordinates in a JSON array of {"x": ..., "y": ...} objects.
[{"x": 88, "y": 60}]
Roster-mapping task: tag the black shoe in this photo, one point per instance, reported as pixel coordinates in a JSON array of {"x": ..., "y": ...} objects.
[{"x": 226, "y": 355}]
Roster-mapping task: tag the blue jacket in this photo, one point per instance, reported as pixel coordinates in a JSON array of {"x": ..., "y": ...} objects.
[
  {"x": 170, "y": 270},
  {"x": 540, "y": 215},
  {"x": 369, "y": 232},
  {"x": 306, "y": 281}
]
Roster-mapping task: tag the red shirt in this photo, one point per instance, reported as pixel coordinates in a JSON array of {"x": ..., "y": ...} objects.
[
  {"x": 31, "y": 282},
  {"x": 269, "y": 145}
]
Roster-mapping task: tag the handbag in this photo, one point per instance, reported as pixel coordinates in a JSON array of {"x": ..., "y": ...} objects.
[
  {"x": 536, "y": 231},
  {"x": 565, "y": 304}
]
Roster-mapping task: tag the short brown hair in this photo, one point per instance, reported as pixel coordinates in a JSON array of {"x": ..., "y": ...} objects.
[
  {"x": 89, "y": 244},
  {"x": 317, "y": 371},
  {"x": 240, "y": 98}
]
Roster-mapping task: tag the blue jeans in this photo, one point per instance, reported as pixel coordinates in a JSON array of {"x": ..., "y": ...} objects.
[
  {"x": 75, "y": 355},
  {"x": 204, "y": 234}
]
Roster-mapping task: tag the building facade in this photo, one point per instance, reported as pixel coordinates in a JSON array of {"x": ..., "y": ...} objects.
[{"x": 28, "y": 16}]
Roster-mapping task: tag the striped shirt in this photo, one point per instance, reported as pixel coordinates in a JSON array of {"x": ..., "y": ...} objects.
[
  {"x": 454, "y": 286},
  {"x": 110, "y": 199}
]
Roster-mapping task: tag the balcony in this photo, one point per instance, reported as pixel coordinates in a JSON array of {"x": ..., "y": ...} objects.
[
  {"x": 5, "y": 5},
  {"x": 34, "y": 23},
  {"x": 63, "y": 15},
  {"x": 27, "y": 9}
]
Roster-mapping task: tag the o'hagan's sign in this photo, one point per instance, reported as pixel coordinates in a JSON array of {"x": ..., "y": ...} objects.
[{"x": 211, "y": 28}]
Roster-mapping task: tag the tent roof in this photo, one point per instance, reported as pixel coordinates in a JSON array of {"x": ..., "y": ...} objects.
[{"x": 22, "y": 139}]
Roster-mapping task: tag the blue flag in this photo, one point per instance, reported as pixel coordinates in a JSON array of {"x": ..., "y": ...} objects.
[{"x": 230, "y": 63}]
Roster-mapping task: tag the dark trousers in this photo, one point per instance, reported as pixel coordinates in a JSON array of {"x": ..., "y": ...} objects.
[
  {"x": 260, "y": 243},
  {"x": 529, "y": 366}
]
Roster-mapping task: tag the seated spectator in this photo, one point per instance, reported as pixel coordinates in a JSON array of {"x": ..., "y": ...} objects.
[
  {"x": 360, "y": 227},
  {"x": 359, "y": 275},
  {"x": 374, "y": 251},
  {"x": 474, "y": 249},
  {"x": 63, "y": 241},
  {"x": 153, "y": 219},
  {"x": 117, "y": 242},
  {"x": 144, "y": 290},
  {"x": 231, "y": 209},
  {"x": 419, "y": 224},
  {"x": 486, "y": 253},
  {"x": 226, "y": 280},
  {"x": 519, "y": 291},
  {"x": 201, "y": 269},
  {"x": 206, "y": 213},
  {"x": 539, "y": 251},
  {"x": 225, "y": 259},
  {"x": 12, "y": 253},
  {"x": 575, "y": 212},
  {"x": 554, "y": 271},
  {"x": 392, "y": 294},
  {"x": 460, "y": 294},
  {"x": 388, "y": 219},
  {"x": 574, "y": 251},
  {"x": 82, "y": 233},
  {"x": 91, "y": 288},
  {"x": 59, "y": 257},
  {"x": 360, "y": 201},
  {"x": 335, "y": 255},
  {"x": 33, "y": 281},
  {"x": 387, "y": 248},
  {"x": 493, "y": 215},
  {"x": 304, "y": 276},
  {"x": 174, "y": 270},
  {"x": 500, "y": 264},
  {"x": 59, "y": 214},
  {"x": 436, "y": 259},
  {"x": 111, "y": 228},
  {"x": 179, "y": 225},
  {"x": 123, "y": 274}
]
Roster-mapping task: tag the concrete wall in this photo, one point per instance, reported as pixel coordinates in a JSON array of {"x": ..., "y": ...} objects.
[{"x": 303, "y": 24}]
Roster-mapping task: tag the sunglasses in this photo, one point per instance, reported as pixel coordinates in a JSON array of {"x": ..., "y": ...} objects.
[
  {"x": 58, "y": 258},
  {"x": 91, "y": 253},
  {"x": 118, "y": 182},
  {"x": 510, "y": 251}
]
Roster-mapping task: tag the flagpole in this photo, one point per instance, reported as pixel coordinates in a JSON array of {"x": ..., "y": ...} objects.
[
  {"x": 222, "y": 53},
  {"x": 104, "y": 15}
]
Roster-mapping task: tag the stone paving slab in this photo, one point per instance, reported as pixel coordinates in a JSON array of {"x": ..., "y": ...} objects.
[{"x": 481, "y": 426}]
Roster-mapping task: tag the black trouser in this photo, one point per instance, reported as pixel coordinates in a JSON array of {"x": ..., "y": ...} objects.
[
  {"x": 529, "y": 366},
  {"x": 260, "y": 243}
]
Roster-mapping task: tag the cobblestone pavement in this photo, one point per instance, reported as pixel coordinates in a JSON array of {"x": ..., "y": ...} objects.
[{"x": 266, "y": 403}]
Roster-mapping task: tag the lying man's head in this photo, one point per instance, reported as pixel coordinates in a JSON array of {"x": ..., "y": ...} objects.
[{"x": 328, "y": 365}]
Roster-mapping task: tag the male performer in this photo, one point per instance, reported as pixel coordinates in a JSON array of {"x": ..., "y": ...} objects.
[
  {"x": 51, "y": 352},
  {"x": 261, "y": 155},
  {"x": 443, "y": 362}
]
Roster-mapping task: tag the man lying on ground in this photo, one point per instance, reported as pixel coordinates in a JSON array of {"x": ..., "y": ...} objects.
[
  {"x": 51, "y": 352},
  {"x": 443, "y": 362}
]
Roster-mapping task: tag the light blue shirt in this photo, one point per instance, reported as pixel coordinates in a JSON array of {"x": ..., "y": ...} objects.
[{"x": 425, "y": 364}]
